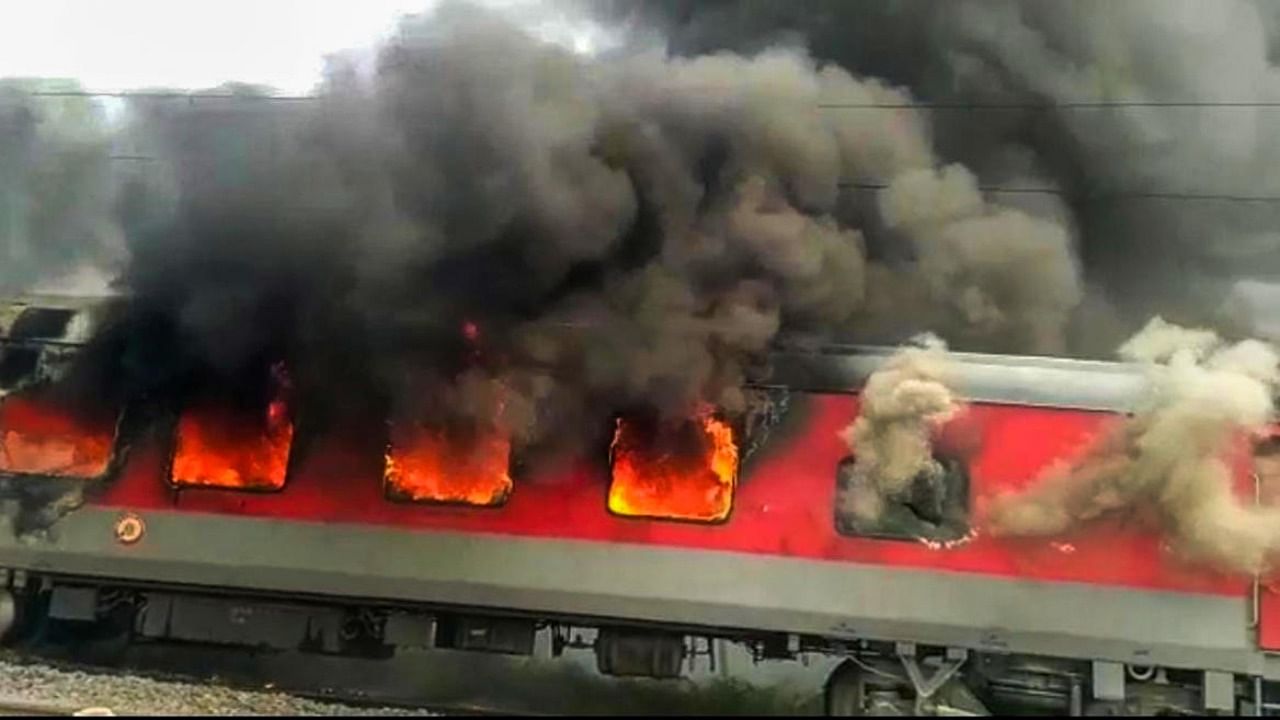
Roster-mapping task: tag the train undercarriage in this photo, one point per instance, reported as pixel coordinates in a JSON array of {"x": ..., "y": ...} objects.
[{"x": 99, "y": 623}]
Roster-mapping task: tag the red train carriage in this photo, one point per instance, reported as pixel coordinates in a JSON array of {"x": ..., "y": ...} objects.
[{"x": 454, "y": 542}]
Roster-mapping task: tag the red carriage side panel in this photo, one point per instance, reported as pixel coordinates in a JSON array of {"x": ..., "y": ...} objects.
[
  {"x": 783, "y": 506},
  {"x": 1267, "y": 469}
]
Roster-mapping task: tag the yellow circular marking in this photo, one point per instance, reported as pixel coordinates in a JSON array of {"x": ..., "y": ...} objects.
[{"x": 130, "y": 529}]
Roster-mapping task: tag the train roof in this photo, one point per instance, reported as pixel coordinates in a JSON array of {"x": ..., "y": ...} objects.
[
  {"x": 1008, "y": 379},
  {"x": 833, "y": 368}
]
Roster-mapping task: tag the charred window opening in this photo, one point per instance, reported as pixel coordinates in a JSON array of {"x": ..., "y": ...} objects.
[
  {"x": 1266, "y": 467},
  {"x": 673, "y": 470},
  {"x": 42, "y": 438},
  {"x": 40, "y": 322},
  {"x": 935, "y": 506},
  {"x": 17, "y": 365},
  {"x": 766, "y": 411},
  {"x": 222, "y": 444},
  {"x": 447, "y": 466}
]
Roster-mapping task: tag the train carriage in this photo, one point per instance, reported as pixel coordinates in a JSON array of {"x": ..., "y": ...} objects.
[{"x": 345, "y": 553}]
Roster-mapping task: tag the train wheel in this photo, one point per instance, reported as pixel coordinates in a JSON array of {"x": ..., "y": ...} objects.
[
  {"x": 845, "y": 694},
  {"x": 10, "y": 616},
  {"x": 21, "y": 616}
]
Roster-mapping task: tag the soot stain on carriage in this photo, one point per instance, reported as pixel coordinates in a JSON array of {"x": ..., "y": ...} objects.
[{"x": 774, "y": 416}]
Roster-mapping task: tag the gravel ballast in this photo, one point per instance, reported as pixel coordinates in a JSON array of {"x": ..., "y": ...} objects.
[{"x": 123, "y": 694}]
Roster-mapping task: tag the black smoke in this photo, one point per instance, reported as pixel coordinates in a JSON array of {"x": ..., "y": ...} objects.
[
  {"x": 1040, "y": 63},
  {"x": 485, "y": 228}
]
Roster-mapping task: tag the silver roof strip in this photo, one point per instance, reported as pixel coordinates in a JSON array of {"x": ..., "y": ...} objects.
[
  {"x": 1009, "y": 379},
  {"x": 1005, "y": 379}
]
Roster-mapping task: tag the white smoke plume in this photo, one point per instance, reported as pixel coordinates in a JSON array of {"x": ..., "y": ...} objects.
[
  {"x": 1172, "y": 456},
  {"x": 899, "y": 407}
]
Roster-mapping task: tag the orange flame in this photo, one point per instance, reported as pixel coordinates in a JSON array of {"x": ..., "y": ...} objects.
[
  {"x": 427, "y": 465},
  {"x": 39, "y": 439},
  {"x": 654, "y": 476},
  {"x": 216, "y": 448}
]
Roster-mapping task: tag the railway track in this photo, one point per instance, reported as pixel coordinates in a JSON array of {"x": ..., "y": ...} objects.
[
  {"x": 18, "y": 707},
  {"x": 32, "y": 685}
]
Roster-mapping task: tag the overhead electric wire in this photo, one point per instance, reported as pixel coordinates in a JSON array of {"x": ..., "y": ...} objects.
[
  {"x": 166, "y": 95},
  {"x": 1099, "y": 196},
  {"x": 909, "y": 105},
  {"x": 1066, "y": 105}
]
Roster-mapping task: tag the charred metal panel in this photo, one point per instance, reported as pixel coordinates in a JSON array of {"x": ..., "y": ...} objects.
[
  {"x": 226, "y": 621},
  {"x": 623, "y": 653},
  {"x": 67, "y": 602},
  {"x": 510, "y": 636},
  {"x": 409, "y": 630}
]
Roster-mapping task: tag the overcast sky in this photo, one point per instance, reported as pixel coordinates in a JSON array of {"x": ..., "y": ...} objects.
[{"x": 129, "y": 44}]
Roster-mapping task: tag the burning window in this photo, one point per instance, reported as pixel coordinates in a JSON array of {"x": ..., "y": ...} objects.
[
  {"x": 219, "y": 445},
  {"x": 41, "y": 438},
  {"x": 49, "y": 427},
  {"x": 677, "y": 471},
  {"x": 465, "y": 467}
]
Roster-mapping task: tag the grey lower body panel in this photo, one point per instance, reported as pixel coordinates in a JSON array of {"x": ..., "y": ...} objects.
[{"x": 655, "y": 584}]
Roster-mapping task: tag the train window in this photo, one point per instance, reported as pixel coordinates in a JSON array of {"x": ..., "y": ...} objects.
[
  {"x": 44, "y": 438},
  {"x": 431, "y": 466},
  {"x": 17, "y": 365},
  {"x": 48, "y": 430},
  {"x": 220, "y": 445},
  {"x": 934, "y": 508},
  {"x": 41, "y": 322},
  {"x": 1266, "y": 467},
  {"x": 673, "y": 470},
  {"x": 217, "y": 448},
  {"x": 43, "y": 432}
]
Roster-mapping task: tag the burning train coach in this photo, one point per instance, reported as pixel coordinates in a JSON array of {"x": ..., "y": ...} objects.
[{"x": 660, "y": 536}]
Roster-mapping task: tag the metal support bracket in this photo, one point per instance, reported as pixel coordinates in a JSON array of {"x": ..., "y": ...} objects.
[
  {"x": 1255, "y": 609},
  {"x": 926, "y": 687},
  {"x": 1219, "y": 691},
  {"x": 1108, "y": 681}
]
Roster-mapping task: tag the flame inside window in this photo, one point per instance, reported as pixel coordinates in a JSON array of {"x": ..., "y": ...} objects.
[
  {"x": 38, "y": 438},
  {"x": 219, "y": 447},
  {"x": 429, "y": 465},
  {"x": 683, "y": 472}
]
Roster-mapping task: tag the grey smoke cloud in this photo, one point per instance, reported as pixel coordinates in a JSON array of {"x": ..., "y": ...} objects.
[
  {"x": 55, "y": 191},
  {"x": 901, "y": 405},
  {"x": 1140, "y": 256},
  {"x": 628, "y": 229}
]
